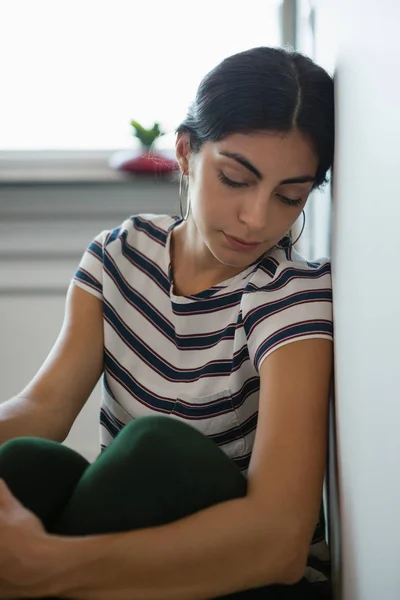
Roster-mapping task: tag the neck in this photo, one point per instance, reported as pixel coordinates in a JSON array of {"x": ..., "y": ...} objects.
[{"x": 192, "y": 260}]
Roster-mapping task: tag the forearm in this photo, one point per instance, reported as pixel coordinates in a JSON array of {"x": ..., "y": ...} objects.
[
  {"x": 21, "y": 416},
  {"x": 214, "y": 552}
]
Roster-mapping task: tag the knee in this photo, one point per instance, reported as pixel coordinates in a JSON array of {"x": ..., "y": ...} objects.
[
  {"x": 156, "y": 435},
  {"x": 161, "y": 443},
  {"x": 22, "y": 448},
  {"x": 164, "y": 444},
  {"x": 160, "y": 425},
  {"x": 31, "y": 456}
]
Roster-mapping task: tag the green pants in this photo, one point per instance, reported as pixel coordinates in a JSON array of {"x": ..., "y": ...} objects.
[{"x": 157, "y": 470}]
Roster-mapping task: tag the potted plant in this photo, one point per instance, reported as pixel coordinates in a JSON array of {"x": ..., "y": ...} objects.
[{"x": 146, "y": 160}]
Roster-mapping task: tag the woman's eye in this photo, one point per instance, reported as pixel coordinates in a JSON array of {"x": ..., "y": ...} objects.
[
  {"x": 291, "y": 201},
  {"x": 225, "y": 180},
  {"x": 238, "y": 184}
]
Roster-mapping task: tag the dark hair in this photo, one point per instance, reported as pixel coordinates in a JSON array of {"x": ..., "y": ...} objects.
[{"x": 265, "y": 89}]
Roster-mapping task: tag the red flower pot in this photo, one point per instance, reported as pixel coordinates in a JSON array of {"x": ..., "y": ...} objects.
[{"x": 142, "y": 162}]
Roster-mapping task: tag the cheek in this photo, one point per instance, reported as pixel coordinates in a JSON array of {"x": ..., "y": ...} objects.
[{"x": 206, "y": 196}]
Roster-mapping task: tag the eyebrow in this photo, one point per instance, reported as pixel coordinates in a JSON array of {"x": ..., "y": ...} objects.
[{"x": 245, "y": 163}]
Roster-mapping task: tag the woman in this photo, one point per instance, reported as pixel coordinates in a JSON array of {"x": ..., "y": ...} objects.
[{"x": 213, "y": 484}]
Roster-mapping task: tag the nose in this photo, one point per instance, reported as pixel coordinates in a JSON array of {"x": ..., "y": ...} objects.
[{"x": 255, "y": 211}]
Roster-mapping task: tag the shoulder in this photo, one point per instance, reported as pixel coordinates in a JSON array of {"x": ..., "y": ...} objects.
[
  {"x": 282, "y": 270},
  {"x": 286, "y": 299},
  {"x": 284, "y": 285},
  {"x": 140, "y": 231}
]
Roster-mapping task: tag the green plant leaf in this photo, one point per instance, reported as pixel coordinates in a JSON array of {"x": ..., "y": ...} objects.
[{"x": 146, "y": 136}]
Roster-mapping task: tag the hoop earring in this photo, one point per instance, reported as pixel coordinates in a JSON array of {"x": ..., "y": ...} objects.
[
  {"x": 181, "y": 186},
  {"x": 301, "y": 232}
]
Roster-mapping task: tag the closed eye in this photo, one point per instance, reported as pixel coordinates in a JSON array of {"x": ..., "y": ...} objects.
[
  {"x": 290, "y": 201},
  {"x": 239, "y": 184},
  {"x": 225, "y": 180}
]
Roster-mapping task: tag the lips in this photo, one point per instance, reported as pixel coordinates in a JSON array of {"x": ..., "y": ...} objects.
[
  {"x": 237, "y": 244},
  {"x": 243, "y": 241}
]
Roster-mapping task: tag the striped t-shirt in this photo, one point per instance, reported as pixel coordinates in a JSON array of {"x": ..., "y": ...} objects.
[{"x": 195, "y": 358}]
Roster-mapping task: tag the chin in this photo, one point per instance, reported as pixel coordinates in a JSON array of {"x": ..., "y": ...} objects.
[
  {"x": 232, "y": 258},
  {"x": 239, "y": 261}
]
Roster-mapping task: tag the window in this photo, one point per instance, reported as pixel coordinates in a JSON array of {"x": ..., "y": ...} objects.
[{"x": 77, "y": 72}]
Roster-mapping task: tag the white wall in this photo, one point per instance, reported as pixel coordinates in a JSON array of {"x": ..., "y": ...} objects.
[
  {"x": 365, "y": 244},
  {"x": 359, "y": 41}
]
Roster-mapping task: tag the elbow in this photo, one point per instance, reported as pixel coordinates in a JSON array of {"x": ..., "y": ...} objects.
[
  {"x": 283, "y": 545},
  {"x": 284, "y": 562},
  {"x": 288, "y": 571},
  {"x": 293, "y": 572},
  {"x": 293, "y": 564}
]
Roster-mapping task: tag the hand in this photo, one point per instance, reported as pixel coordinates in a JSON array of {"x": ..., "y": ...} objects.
[{"x": 23, "y": 546}]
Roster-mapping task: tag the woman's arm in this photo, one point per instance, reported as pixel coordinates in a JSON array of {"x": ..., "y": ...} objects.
[{"x": 258, "y": 540}]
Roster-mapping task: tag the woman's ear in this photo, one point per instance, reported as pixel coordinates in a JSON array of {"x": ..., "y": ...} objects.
[{"x": 182, "y": 151}]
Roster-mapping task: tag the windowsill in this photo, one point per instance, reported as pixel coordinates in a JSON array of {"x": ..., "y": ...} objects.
[{"x": 63, "y": 166}]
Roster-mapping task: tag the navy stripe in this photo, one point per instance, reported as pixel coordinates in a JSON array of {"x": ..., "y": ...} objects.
[
  {"x": 316, "y": 265},
  {"x": 113, "y": 235},
  {"x": 258, "y": 314},
  {"x": 227, "y": 436},
  {"x": 144, "y": 263},
  {"x": 204, "y": 341},
  {"x": 110, "y": 423},
  {"x": 240, "y": 357},
  {"x": 88, "y": 279},
  {"x": 298, "y": 330},
  {"x": 250, "y": 387},
  {"x": 208, "y": 305},
  {"x": 154, "y": 232},
  {"x": 140, "y": 261},
  {"x": 155, "y": 318},
  {"x": 107, "y": 386},
  {"x": 96, "y": 249},
  {"x": 203, "y": 410},
  {"x": 242, "y": 462},
  {"x": 250, "y": 424},
  {"x": 139, "y": 392},
  {"x": 269, "y": 266},
  {"x": 292, "y": 273}
]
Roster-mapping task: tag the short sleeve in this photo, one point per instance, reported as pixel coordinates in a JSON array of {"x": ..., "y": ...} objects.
[
  {"x": 89, "y": 274},
  {"x": 295, "y": 305}
]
